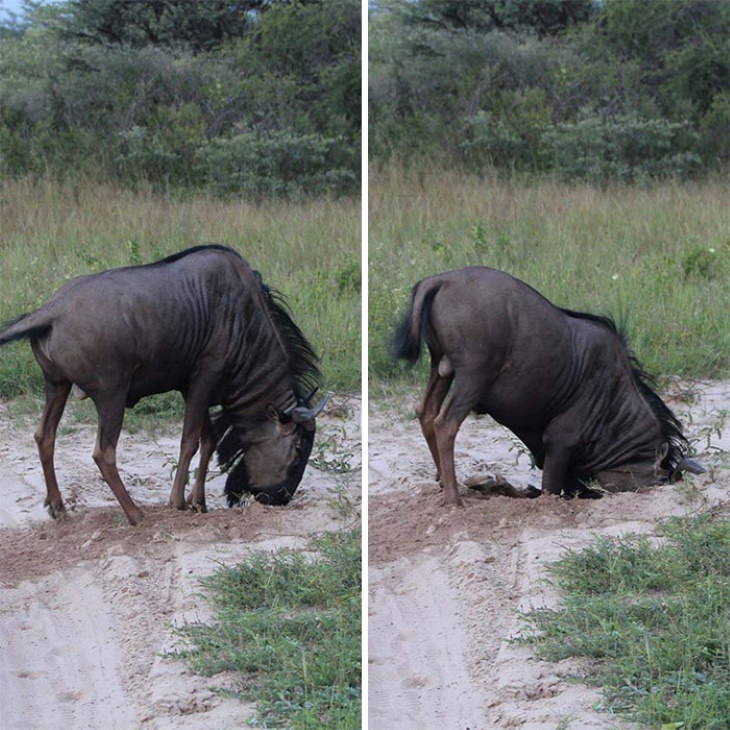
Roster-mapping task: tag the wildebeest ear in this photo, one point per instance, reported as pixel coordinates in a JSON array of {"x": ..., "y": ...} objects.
[
  {"x": 277, "y": 416},
  {"x": 273, "y": 413}
]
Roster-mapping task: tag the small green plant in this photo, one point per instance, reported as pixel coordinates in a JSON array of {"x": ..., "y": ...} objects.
[
  {"x": 702, "y": 263},
  {"x": 705, "y": 434},
  {"x": 330, "y": 455},
  {"x": 479, "y": 236},
  {"x": 439, "y": 246},
  {"x": 349, "y": 277},
  {"x": 520, "y": 450},
  {"x": 344, "y": 506},
  {"x": 133, "y": 249}
]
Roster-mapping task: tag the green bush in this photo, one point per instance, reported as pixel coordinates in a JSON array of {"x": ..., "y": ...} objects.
[
  {"x": 279, "y": 164},
  {"x": 621, "y": 89},
  {"x": 623, "y": 148},
  {"x": 511, "y": 135},
  {"x": 188, "y": 97},
  {"x": 704, "y": 263},
  {"x": 716, "y": 129}
]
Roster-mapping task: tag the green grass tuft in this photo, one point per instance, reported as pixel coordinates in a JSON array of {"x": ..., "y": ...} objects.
[
  {"x": 655, "y": 618},
  {"x": 290, "y": 626}
]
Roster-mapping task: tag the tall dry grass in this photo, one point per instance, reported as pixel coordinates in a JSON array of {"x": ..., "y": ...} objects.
[
  {"x": 310, "y": 251},
  {"x": 656, "y": 258}
]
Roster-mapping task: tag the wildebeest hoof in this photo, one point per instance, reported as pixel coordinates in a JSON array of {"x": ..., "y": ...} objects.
[
  {"x": 198, "y": 507},
  {"x": 57, "y": 510},
  {"x": 590, "y": 493},
  {"x": 135, "y": 517},
  {"x": 555, "y": 495},
  {"x": 452, "y": 501}
]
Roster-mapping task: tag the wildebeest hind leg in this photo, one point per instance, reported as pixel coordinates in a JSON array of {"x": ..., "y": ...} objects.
[
  {"x": 454, "y": 410},
  {"x": 428, "y": 409},
  {"x": 111, "y": 416},
  {"x": 45, "y": 438},
  {"x": 207, "y": 447}
]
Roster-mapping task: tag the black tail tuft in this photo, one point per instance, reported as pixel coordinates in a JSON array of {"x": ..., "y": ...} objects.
[
  {"x": 403, "y": 345},
  {"x": 10, "y": 331},
  {"x": 406, "y": 343}
]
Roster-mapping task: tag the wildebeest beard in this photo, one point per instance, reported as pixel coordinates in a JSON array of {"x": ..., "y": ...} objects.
[{"x": 232, "y": 458}]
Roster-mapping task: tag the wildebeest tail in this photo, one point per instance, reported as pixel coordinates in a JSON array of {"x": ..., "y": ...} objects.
[
  {"x": 407, "y": 338},
  {"x": 27, "y": 325}
]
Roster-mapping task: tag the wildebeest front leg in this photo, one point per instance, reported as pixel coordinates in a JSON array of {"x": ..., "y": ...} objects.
[
  {"x": 196, "y": 412},
  {"x": 45, "y": 438},
  {"x": 555, "y": 468},
  {"x": 207, "y": 447},
  {"x": 111, "y": 416},
  {"x": 428, "y": 409}
]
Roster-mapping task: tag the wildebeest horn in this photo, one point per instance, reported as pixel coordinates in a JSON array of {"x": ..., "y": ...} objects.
[
  {"x": 300, "y": 414},
  {"x": 307, "y": 400},
  {"x": 691, "y": 466},
  {"x": 302, "y": 402}
]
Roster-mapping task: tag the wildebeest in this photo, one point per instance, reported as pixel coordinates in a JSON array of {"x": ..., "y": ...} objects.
[
  {"x": 201, "y": 322},
  {"x": 563, "y": 382}
]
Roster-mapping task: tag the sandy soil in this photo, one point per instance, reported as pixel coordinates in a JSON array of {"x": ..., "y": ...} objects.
[
  {"x": 88, "y": 605},
  {"x": 446, "y": 585}
]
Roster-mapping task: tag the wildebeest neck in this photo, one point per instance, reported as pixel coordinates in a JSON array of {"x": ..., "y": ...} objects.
[{"x": 625, "y": 421}]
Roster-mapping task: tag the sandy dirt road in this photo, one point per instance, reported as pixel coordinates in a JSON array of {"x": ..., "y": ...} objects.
[
  {"x": 446, "y": 585},
  {"x": 88, "y": 605}
]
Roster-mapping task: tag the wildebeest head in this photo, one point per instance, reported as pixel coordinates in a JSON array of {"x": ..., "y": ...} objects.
[{"x": 270, "y": 455}]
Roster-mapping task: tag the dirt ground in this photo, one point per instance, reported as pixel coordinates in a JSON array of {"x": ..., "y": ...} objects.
[
  {"x": 88, "y": 604},
  {"x": 446, "y": 585}
]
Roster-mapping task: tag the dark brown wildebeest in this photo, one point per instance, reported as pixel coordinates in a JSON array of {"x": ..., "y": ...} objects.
[
  {"x": 564, "y": 382},
  {"x": 201, "y": 322}
]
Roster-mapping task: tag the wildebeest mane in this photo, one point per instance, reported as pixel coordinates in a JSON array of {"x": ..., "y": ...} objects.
[
  {"x": 304, "y": 373},
  {"x": 194, "y": 249},
  {"x": 302, "y": 358},
  {"x": 668, "y": 423},
  {"x": 601, "y": 319},
  {"x": 646, "y": 384}
]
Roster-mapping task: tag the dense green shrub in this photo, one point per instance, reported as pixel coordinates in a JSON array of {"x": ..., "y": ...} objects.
[
  {"x": 279, "y": 163},
  {"x": 623, "y": 149},
  {"x": 168, "y": 92},
  {"x": 621, "y": 89},
  {"x": 512, "y": 135}
]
